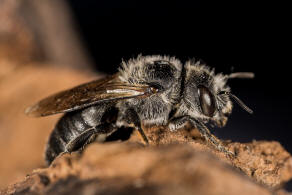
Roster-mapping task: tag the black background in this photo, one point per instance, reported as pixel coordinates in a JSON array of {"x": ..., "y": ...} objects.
[{"x": 230, "y": 36}]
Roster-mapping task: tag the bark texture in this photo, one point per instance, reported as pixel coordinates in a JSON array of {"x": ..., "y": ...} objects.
[{"x": 174, "y": 163}]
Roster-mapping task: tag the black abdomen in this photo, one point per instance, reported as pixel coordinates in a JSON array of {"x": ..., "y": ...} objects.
[
  {"x": 80, "y": 126},
  {"x": 68, "y": 127}
]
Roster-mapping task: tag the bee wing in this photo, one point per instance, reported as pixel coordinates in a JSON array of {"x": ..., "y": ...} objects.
[{"x": 109, "y": 88}]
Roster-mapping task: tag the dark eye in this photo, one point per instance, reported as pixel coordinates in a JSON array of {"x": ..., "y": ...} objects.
[{"x": 207, "y": 101}]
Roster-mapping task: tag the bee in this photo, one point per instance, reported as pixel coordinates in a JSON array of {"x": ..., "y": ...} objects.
[{"x": 146, "y": 91}]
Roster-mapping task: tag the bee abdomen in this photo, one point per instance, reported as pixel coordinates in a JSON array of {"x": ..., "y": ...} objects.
[
  {"x": 54, "y": 147},
  {"x": 70, "y": 126},
  {"x": 74, "y": 129}
]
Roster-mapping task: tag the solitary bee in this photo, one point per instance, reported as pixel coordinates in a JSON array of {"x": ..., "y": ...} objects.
[{"x": 147, "y": 91}]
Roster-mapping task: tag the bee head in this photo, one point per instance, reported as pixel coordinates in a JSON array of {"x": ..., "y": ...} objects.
[{"x": 206, "y": 95}]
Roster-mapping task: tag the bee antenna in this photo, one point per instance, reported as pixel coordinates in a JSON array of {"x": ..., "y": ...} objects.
[
  {"x": 241, "y": 75},
  {"x": 240, "y": 103}
]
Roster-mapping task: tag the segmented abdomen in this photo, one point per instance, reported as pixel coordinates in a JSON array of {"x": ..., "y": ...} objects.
[
  {"x": 68, "y": 127},
  {"x": 73, "y": 124}
]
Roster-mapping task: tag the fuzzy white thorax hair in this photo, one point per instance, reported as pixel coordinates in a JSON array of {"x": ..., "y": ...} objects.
[{"x": 134, "y": 68}]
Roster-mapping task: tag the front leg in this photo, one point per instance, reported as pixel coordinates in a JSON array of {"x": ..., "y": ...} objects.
[{"x": 178, "y": 123}]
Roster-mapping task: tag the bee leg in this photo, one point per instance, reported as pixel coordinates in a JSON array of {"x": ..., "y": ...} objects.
[
  {"x": 80, "y": 140},
  {"x": 135, "y": 119},
  {"x": 177, "y": 123},
  {"x": 88, "y": 136},
  {"x": 89, "y": 140},
  {"x": 205, "y": 132}
]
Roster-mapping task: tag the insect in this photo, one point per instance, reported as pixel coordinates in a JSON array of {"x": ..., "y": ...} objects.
[{"x": 147, "y": 91}]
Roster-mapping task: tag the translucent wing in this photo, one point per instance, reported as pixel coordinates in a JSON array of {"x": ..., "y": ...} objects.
[{"x": 110, "y": 88}]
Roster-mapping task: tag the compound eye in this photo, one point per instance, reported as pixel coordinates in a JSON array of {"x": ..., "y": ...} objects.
[{"x": 207, "y": 101}]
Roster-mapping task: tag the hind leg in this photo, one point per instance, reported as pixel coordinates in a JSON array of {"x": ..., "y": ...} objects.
[{"x": 98, "y": 133}]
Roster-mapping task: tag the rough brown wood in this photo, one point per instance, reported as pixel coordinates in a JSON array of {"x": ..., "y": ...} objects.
[{"x": 183, "y": 165}]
